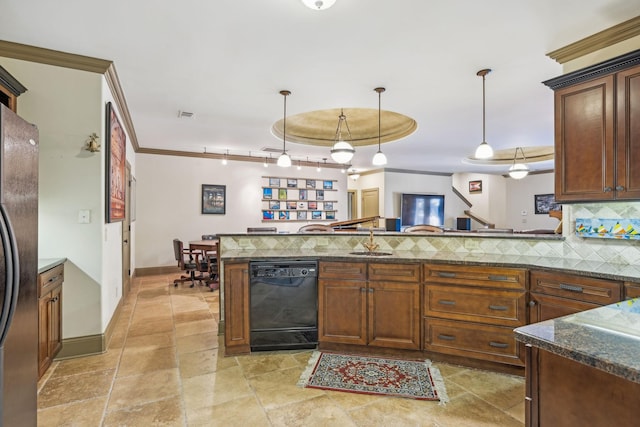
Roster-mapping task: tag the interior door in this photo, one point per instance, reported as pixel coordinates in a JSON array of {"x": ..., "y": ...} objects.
[
  {"x": 352, "y": 204},
  {"x": 370, "y": 203},
  {"x": 126, "y": 231}
]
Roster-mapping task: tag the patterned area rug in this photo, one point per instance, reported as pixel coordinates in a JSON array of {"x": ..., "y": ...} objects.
[{"x": 414, "y": 379}]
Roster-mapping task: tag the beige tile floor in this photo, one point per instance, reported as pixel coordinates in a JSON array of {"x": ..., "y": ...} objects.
[{"x": 164, "y": 367}]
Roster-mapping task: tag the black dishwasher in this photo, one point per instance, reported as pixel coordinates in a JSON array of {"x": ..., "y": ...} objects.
[{"x": 284, "y": 305}]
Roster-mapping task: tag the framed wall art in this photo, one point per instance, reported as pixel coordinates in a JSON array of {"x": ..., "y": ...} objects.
[
  {"x": 115, "y": 158},
  {"x": 545, "y": 203},
  {"x": 475, "y": 186},
  {"x": 214, "y": 199}
]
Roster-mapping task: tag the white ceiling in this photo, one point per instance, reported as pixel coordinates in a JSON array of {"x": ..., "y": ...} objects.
[{"x": 227, "y": 60}]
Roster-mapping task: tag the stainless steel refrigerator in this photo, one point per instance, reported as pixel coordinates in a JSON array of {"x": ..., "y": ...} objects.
[{"x": 18, "y": 270}]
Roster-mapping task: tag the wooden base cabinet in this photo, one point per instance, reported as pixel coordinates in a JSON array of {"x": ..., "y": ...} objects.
[
  {"x": 563, "y": 393},
  {"x": 471, "y": 311},
  {"x": 49, "y": 316},
  {"x": 373, "y": 304},
  {"x": 556, "y": 294},
  {"x": 237, "y": 339}
]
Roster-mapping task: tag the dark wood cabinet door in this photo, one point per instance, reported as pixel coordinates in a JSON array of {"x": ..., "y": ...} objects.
[
  {"x": 628, "y": 134},
  {"x": 394, "y": 315},
  {"x": 342, "y": 311},
  {"x": 55, "y": 325},
  {"x": 584, "y": 141},
  {"x": 545, "y": 307},
  {"x": 236, "y": 307}
]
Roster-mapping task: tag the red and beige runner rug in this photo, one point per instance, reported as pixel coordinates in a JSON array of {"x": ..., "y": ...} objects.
[{"x": 414, "y": 379}]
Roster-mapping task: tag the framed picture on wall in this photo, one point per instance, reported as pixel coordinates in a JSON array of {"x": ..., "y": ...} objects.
[
  {"x": 475, "y": 186},
  {"x": 214, "y": 199},
  {"x": 274, "y": 182},
  {"x": 267, "y": 193},
  {"x": 115, "y": 167},
  {"x": 545, "y": 203}
]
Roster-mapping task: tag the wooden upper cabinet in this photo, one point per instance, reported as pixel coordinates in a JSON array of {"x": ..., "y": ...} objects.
[
  {"x": 597, "y": 131},
  {"x": 628, "y": 134},
  {"x": 10, "y": 90}
]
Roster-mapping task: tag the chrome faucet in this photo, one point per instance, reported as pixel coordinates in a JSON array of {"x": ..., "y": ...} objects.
[{"x": 371, "y": 247}]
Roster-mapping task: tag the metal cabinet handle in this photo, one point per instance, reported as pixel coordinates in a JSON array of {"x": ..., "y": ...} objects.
[
  {"x": 532, "y": 303},
  {"x": 498, "y": 277},
  {"x": 53, "y": 279},
  {"x": 446, "y": 302},
  {"x": 619, "y": 188},
  {"x": 445, "y": 274},
  {"x": 498, "y": 307},
  {"x": 370, "y": 290},
  {"x": 446, "y": 337},
  {"x": 363, "y": 290},
  {"x": 498, "y": 344},
  {"x": 608, "y": 189},
  {"x": 571, "y": 288}
]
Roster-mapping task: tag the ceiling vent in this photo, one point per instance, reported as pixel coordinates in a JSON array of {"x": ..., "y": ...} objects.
[
  {"x": 185, "y": 115},
  {"x": 271, "y": 150}
]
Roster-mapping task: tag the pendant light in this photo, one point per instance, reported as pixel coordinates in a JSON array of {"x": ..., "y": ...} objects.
[
  {"x": 342, "y": 152},
  {"x": 284, "y": 161},
  {"x": 484, "y": 150},
  {"x": 519, "y": 170},
  {"x": 318, "y": 4},
  {"x": 379, "y": 159}
]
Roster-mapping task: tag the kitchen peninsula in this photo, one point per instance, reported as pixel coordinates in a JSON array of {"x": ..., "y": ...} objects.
[
  {"x": 583, "y": 369},
  {"x": 456, "y": 297}
]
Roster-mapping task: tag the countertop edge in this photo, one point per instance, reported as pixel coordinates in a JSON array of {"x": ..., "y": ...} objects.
[{"x": 45, "y": 264}]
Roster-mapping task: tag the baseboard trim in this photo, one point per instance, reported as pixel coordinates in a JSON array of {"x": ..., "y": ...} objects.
[
  {"x": 90, "y": 344},
  {"x": 152, "y": 271}
]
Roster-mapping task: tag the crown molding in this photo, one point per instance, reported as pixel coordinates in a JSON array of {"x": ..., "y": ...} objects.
[
  {"x": 72, "y": 61},
  {"x": 597, "y": 41}
]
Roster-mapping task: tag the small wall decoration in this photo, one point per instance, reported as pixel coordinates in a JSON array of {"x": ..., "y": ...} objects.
[
  {"x": 475, "y": 186},
  {"x": 274, "y": 182},
  {"x": 274, "y": 204},
  {"x": 311, "y": 183},
  {"x": 327, "y": 185},
  {"x": 628, "y": 229},
  {"x": 298, "y": 199},
  {"x": 115, "y": 158},
  {"x": 545, "y": 203},
  {"x": 292, "y": 183},
  {"x": 282, "y": 194},
  {"x": 213, "y": 199},
  {"x": 267, "y": 193}
]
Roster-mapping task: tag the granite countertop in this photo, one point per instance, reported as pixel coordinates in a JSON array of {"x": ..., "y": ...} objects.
[
  {"x": 45, "y": 264},
  {"x": 601, "y": 270},
  {"x": 607, "y": 338},
  {"x": 487, "y": 233}
]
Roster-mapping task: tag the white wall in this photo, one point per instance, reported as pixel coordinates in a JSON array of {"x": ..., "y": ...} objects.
[
  {"x": 490, "y": 203},
  {"x": 67, "y": 106},
  {"x": 168, "y": 205},
  {"x": 520, "y": 199}
]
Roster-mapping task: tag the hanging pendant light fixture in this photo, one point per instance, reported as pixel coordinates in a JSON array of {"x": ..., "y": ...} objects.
[
  {"x": 379, "y": 158},
  {"x": 519, "y": 170},
  {"x": 318, "y": 4},
  {"x": 484, "y": 150},
  {"x": 342, "y": 151},
  {"x": 284, "y": 161}
]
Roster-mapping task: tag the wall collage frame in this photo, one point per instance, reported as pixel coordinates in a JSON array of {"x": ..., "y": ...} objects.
[{"x": 298, "y": 199}]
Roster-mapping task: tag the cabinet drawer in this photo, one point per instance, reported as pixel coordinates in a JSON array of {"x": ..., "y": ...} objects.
[
  {"x": 504, "y": 278},
  {"x": 631, "y": 290},
  {"x": 498, "y": 307},
  {"x": 342, "y": 270},
  {"x": 395, "y": 272},
  {"x": 494, "y": 343},
  {"x": 50, "y": 279},
  {"x": 597, "y": 291}
]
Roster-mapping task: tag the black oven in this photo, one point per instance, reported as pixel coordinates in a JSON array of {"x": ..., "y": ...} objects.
[{"x": 284, "y": 305}]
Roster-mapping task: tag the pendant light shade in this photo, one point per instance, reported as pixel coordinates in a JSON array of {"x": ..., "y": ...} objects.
[
  {"x": 284, "y": 160},
  {"x": 518, "y": 170},
  {"x": 379, "y": 159},
  {"x": 318, "y": 4},
  {"x": 342, "y": 152},
  {"x": 484, "y": 150}
]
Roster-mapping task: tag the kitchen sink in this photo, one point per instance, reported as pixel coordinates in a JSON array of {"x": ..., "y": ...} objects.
[{"x": 367, "y": 253}]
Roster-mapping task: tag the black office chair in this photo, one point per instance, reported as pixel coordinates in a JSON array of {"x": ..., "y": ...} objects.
[
  {"x": 186, "y": 262},
  {"x": 212, "y": 263}
]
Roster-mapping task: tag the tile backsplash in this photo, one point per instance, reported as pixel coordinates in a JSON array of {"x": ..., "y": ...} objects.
[{"x": 625, "y": 252}]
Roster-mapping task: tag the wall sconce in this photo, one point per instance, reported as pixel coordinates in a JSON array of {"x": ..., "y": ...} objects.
[{"x": 92, "y": 143}]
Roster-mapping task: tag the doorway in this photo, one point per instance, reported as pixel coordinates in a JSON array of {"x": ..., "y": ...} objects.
[
  {"x": 352, "y": 204},
  {"x": 370, "y": 203},
  {"x": 126, "y": 234}
]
